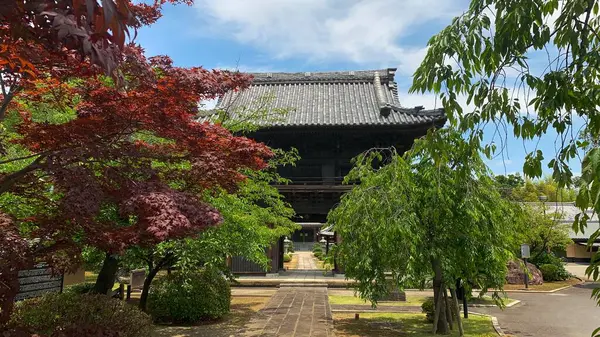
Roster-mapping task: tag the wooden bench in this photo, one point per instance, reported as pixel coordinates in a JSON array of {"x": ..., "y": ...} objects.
[{"x": 135, "y": 281}]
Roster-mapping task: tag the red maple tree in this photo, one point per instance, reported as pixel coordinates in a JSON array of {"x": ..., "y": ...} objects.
[
  {"x": 94, "y": 30},
  {"x": 129, "y": 167},
  {"x": 50, "y": 39}
]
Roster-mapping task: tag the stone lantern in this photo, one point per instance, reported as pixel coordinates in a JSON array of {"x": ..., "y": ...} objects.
[
  {"x": 286, "y": 245},
  {"x": 323, "y": 243}
]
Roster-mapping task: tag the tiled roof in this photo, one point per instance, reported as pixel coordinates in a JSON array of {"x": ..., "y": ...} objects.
[
  {"x": 565, "y": 213},
  {"x": 351, "y": 98}
]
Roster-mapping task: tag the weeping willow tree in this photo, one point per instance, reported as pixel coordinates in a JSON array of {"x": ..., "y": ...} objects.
[
  {"x": 530, "y": 67},
  {"x": 432, "y": 213}
]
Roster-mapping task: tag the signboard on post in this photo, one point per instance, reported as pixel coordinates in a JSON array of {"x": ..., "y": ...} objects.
[
  {"x": 525, "y": 251},
  {"x": 38, "y": 281},
  {"x": 138, "y": 277}
]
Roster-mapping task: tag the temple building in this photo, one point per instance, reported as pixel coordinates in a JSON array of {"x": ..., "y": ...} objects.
[{"x": 331, "y": 117}]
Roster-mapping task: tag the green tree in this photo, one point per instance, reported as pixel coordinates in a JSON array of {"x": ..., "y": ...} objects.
[
  {"x": 526, "y": 193},
  {"x": 491, "y": 55},
  {"x": 433, "y": 213},
  {"x": 507, "y": 184},
  {"x": 531, "y": 191},
  {"x": 254, "y": 217},
  {"x": 543, "y": 232}
]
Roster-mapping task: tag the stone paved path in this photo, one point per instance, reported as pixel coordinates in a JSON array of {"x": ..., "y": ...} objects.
[
  {"x": 306, "y": 261},
  {"x": 293, "y": 312}
]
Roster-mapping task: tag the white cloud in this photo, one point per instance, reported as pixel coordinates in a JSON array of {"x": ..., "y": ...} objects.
[
  {"x": 359, "y": 31},
  {"x": 209, "y": 104}
]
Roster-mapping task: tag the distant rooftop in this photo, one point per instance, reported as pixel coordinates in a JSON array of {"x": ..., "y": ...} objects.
[
  {"x": 349, "y": 98},
  {"x": 566, "y": 212}
]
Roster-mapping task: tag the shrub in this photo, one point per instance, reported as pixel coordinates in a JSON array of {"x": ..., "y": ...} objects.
[
  {"x": 317, "y": 248},
  {"x": 287, "y": 257},
  {"x": 428, "y": 308},
  {"x": 550, "y": 272},
  {"x": 80, "y": 288},
  {"x": 556, "y": 273},
  {"x": 190, "y": 297},
  {"x": 291, "y": 247},
  {"x": 551, "y": 259},
  {"x": 59, "y": 314}
]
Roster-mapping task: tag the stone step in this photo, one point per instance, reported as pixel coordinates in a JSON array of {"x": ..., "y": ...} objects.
[{"x": 303, "y": 284}]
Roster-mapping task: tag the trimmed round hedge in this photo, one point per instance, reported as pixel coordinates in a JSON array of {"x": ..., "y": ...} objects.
[
  {"x": 189, "y": 298},
  {"x": 80, "y": 288},
  {"x": 550, "y": 272},
  {"x": 71, "y": 314},
  {"x": 428, "y": 308}
]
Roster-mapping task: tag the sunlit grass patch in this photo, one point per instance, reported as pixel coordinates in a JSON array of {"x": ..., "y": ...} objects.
[{"x": 413, "y": 325}]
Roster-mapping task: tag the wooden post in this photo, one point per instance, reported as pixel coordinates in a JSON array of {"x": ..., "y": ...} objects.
[
  {"x": 465, "y": 306},
  {"x": 122, "y": 291},
  {"x": 461, "y": 332},
  {"x": 128, "y": 291},
  {"x": 448, "y": 309}
]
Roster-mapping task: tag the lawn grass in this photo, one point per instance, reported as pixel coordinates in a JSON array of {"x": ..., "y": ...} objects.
[
  {"x": 546, "y": 286},
  {"x": 413, "y": 325},
  {"x": 353, "y": 300},
  {"x": 90, "y": 277},
  {"x": 242, "y": 310}
]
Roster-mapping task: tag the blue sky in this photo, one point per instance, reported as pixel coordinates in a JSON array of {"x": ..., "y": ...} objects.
[{"x": 318, "y": 35}]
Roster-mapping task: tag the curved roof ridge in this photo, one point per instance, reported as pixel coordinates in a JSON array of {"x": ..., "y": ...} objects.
[
  {"x": 386, "y": 75},
  {"x": 418, "y": 111}
]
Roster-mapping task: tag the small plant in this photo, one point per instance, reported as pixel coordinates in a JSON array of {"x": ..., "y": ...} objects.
[
  {"x": 329, "y": 258},
  {"x": 550, "y": 272},
  {"x": 189, "y": 297},
  {"x": 70, "y": 312},
  {"x": 287, "y": 257},
  {"x": 428, "y": 308},
  {"x": 80, "y": 288},
  {"x": 317, "y": 251},
  {"x": 557, "y": 272}
]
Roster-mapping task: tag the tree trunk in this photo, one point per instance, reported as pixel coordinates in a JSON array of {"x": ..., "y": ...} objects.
[
  {"x": 437, "y": 310},
  {"x": 441, "y": 323},
  {"x": 147, "y": 282},
  {"x": 106, "y": 277}
]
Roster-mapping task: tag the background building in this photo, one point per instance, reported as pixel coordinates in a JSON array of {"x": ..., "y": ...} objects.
[
  {"x": 565, "y": 212},
  {"x": 331, "y": 117}
]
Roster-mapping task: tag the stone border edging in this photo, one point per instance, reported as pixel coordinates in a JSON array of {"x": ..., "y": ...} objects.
[
  {"x": 495, "y": 323},
  {"x": 511, "y": 304},
  {"x": 541, "y": 291}
]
